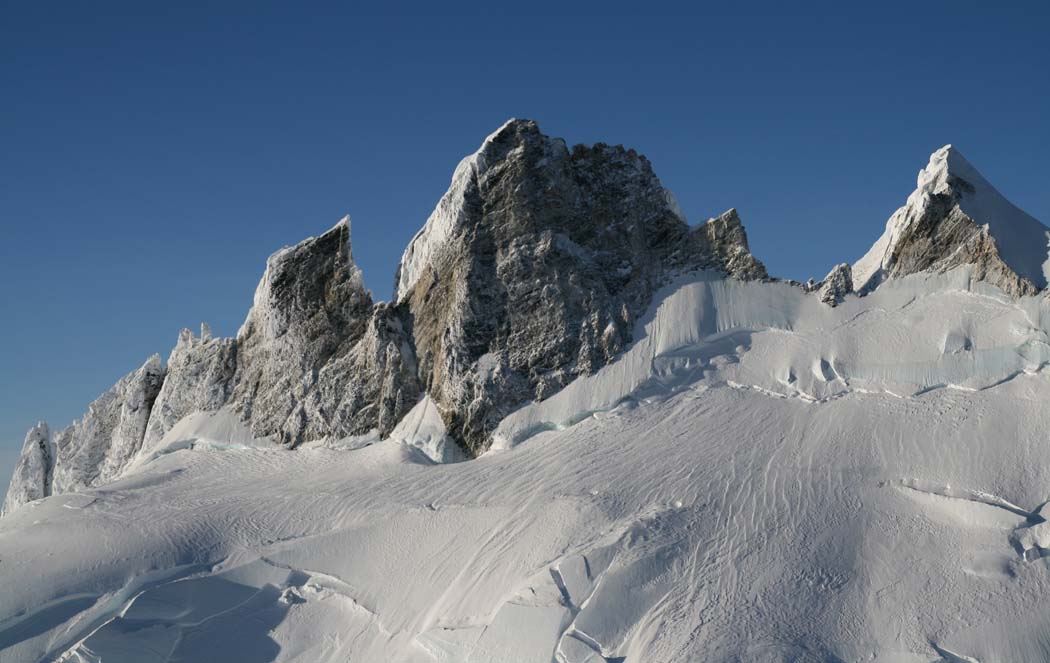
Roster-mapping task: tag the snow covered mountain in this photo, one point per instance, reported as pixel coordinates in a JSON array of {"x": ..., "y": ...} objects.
[
  {"x": 955, "y": 217},
  {"x": 530, "y": 272},
  {"x": 674, "y": 457}
]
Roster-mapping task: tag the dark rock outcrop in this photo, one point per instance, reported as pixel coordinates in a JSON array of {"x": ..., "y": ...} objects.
[{"x": 534, "y": 267}]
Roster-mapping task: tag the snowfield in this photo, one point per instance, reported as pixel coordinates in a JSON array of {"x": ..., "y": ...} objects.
[{"x": 759, "y": 478}]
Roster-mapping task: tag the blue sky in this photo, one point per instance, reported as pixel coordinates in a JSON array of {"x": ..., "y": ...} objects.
[{"x": 151, "y": 157}]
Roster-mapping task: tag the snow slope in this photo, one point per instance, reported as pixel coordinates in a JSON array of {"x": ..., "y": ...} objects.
[{"x": 759, "y": 477}]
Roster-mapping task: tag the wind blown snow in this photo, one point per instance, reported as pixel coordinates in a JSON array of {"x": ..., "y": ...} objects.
[{"x": 759, "y": 477}]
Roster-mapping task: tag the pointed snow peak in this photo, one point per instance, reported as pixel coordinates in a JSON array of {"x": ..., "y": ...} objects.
[
  {"x": 948, "y": 170},
  {"x": 956, "y": 217}
]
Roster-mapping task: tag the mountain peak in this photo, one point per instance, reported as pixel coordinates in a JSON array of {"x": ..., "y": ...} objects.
[
  {"x": 955, "y": 217},
  {"x": 514, "y": 126},
  {"x": 948, "y": 170}
]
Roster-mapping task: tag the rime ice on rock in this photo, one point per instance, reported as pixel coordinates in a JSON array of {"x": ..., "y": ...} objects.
[
  {"x": 32, "y": 477},
  {"x": 836, "y": 285},
  {"x": 953, "y": 218},
  {"x": 199, "y": 378},
  {"x": 316, "y": 358},
  {"x": 100, "y": 445}
]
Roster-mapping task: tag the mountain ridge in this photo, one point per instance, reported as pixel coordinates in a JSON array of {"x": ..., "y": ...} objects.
[{"x": 529, "y": 273}]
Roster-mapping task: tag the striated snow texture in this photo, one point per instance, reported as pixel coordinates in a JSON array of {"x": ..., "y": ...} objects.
[
  {"x": 955, "y": 217},
  {"x": 759, "y": 477}
]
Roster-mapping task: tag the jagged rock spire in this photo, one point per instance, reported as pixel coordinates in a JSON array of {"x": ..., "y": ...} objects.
[
  {"x": 311, "y": 309},
  {"x": 530, "y": 272},
  {"x": 32, "y": 477},
  {"x": 534, "y": 266},
  {"x": 837, "y": 284}
]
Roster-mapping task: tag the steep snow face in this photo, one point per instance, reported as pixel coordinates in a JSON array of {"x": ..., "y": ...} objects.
[
  {"x": 956, "y": 217},
  {"x": 759, "y": 477},
  {"x": 32, "y": 477},
  {"x": 534, "y": 266}
]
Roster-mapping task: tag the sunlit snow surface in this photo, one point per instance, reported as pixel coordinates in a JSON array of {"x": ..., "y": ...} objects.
[{"x": 759, "y": 478}]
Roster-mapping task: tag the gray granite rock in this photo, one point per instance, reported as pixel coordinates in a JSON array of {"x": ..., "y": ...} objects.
[
  {"x": 837, "y": 284},
  {"x": 534, "y": 266}
]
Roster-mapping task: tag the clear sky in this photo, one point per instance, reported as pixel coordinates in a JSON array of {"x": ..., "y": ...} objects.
[{"x": 152, "y": 156}]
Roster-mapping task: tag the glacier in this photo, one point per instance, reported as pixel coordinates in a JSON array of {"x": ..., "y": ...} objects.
[{"x": 757, "y": 470}]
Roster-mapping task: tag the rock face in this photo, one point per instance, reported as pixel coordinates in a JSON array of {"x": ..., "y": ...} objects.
[
  {"x": 99, "y": 446},
  {"x": 534, "y": 266},
  {"x": 199, "y": 378},
  {"x": 954, "y": 218},
  {"x": 530, "y": 272},
  {"x": 837, "y": 284},
  {"x": 316, "y": 358},
  {"x": 721, "y": 244},
  {"x": 32, "y": 477}
]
